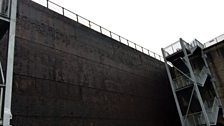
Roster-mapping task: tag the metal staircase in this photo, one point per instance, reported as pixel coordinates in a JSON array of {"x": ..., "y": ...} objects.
[
  {"x": 197, "y": 118},
  {"x": 213, "y": 111},
  {"x": 201, "y": 76},
  {"x": 190, "y": 78},
  {"x": 8, "y": 9}
]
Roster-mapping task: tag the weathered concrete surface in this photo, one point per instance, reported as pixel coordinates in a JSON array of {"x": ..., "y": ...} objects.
[
  {"x": 216, "y": 64},
  {"x": 66, "y": 74}
]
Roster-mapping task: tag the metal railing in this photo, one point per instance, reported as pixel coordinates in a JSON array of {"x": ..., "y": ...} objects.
[
  {"x": 201, "y": 76},
  {"x": 213, "y": 111},
  {"x": 197, "y": 43},
  {"x": 173, "y": 48},
  {"x": 176, "y": 47},
  {"x": 5, "y": 8},
  {"x": 214, "y": 41},
  {"x": 194, "y": 119},
  {"x": 182, "y": 81},
  {"x": 197, "y": 118},
  {"x": 69, "y": 14}
]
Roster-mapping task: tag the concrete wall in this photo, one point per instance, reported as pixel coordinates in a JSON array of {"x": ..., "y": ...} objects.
[
  {"x": 216, "y": 64},
  {"x": 66, "y": 74}
]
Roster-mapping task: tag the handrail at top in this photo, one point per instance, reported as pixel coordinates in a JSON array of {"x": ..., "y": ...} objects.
[
  {"x": 5, "y": 8},
  {"x": 111, "y": 34},
  {"x": 214, "y": 41}
]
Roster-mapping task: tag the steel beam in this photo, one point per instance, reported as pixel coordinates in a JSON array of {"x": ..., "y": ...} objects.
[
  {"x": 173, "y": 89},
  {"x": 7, "y": 115},
  {"x": 195, "y": 83}
]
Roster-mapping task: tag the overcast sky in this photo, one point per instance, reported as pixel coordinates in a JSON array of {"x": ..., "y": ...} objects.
[{"x": 154, "y": 23}]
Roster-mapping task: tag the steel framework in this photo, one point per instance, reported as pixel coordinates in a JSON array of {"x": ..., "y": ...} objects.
[
  {"x": 192, "y": 85},
  {"x": 8, "y": 10}
]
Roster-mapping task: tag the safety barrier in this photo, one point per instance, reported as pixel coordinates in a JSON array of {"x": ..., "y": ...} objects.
[
  {"x": 214, "y": 41},
  {"x": 69, "y": 14},
  {"x": 5, "y": 8}
]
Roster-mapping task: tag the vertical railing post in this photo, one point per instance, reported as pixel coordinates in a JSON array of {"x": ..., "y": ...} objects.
[
  {"x": 216, "y": 40},
  {"x": 63, "y": 11},
  {"x": 110, "y": 34},
  {"x": 101, "y": 30},
  {"x": 172, "y": 49},
  {"x": 47, "y": 3},
  {"x": 120, "y": 38},
  {"x": 135, "y": 46},
  {"x": 77, "y": 17},
  {"x": 128, "y": 42},
  {"x": 89, "y": 24},
  {"x": 142, "y": 49}
]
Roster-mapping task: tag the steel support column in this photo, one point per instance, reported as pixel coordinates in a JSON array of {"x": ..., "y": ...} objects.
[
  {"x": 173, "y": 89},
  {"x": 195, "y": 83},
  {"x": 7, "y": 115}
]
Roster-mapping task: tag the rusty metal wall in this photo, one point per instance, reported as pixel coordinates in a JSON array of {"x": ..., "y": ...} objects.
[
  {"x": 215, "y": 59},
  {"x": 66, "y": 74}
]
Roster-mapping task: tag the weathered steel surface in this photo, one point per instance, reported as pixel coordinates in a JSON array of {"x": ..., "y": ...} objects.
[
  {"x": 215, "y": 59},
  {"x": 66, "y": 74}
]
